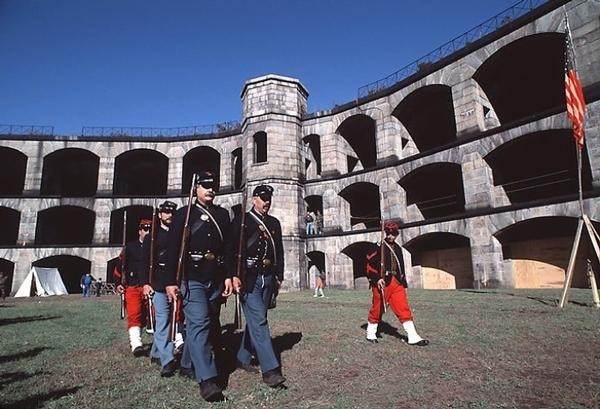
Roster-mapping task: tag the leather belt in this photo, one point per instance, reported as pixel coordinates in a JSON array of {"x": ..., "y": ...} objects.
[
  {"x": 253, "y": 262},
  {"x": 197, "y": 256}
]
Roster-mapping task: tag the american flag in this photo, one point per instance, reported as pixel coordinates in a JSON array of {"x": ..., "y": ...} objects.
[{"x": 574, "y": 91}]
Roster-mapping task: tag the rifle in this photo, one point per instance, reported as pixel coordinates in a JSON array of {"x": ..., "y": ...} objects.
[
  {"x": 185, "y": 234},
  {"x": 237, "y": 317},
  {"x": 123, "y": 255},
  {"x": 152, "y": 266},
  {"x": 382, "y": 266}
]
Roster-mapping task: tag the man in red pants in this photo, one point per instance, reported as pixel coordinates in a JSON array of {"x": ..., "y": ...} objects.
[
  {"x": 389, "y": 287},
  {"x": 134, "y": 286}
]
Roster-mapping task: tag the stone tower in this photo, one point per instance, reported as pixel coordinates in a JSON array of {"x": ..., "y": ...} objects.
[{"x": 272, "y": 145}]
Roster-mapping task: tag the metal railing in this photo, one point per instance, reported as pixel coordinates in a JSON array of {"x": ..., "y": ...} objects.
[
  {"x": 24, "y": 130},
  {"x": 198, "y": 130},
  {"x": 422, "y": 64}
]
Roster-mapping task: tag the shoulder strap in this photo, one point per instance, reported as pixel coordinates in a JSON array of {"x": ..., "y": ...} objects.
[
  {"x": 198, "y": 223},
  {"x": 395, "y": 255},
  {"x": 269, "y": 234}
]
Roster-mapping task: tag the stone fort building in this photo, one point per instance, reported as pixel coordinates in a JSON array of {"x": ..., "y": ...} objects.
[{"x": 469, "y": 149}]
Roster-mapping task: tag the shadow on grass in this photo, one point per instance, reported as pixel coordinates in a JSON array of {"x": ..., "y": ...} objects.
[
  {"x": 551, "y": 301},
  {"x": 6, "y": 305},
  {"x": 230, "y": 342},
  {"x": 286, "y": 341},
  {"x": 10, "y": 377},
  {"x": 22, "y": 355},
  {"x": 18, "y": 320},
  {"x": 37, "y": 401}
]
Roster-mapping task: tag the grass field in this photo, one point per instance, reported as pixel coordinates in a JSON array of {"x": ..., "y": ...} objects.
[{"x": 489, "y": 349}]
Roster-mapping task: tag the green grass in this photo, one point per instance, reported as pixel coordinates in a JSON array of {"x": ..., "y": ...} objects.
[{"x": 489, "y": 349}]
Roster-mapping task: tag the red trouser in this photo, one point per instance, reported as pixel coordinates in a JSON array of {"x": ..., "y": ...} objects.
[
  {"x": 135, "y": 304},
  {"x": 395, "y": 296}
]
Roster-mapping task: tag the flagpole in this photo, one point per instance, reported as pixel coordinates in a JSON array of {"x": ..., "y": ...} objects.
[
  {"x": 577, "y": 147},
  {"x": 577, "y": 115}
]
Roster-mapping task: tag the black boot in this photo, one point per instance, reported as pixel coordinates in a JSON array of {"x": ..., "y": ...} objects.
[
  {"x": 169, "y": 369},
  {"x": 187, "y": 373},
  {"x": 210, "y": 392},
  {"x": 273, "y": 378}
]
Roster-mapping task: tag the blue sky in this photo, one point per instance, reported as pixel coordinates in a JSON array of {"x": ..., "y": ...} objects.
[{"x": 74, "y": 63}]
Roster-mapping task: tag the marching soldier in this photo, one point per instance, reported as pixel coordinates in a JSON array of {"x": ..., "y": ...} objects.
[
  {"x": 392, "y": 285},
  {"x": 134, "y": 280},
  {"x": 262, "y": 276},
  {"x": 206, "y": 278},
  {"x": 162, "y": 349}
]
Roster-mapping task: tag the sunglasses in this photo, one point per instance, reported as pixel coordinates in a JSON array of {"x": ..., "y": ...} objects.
[
  {"x": 208, "y": 185},
  {"x": 145, "y": 228}
]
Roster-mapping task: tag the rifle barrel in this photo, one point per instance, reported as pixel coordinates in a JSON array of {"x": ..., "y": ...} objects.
[{"x": 181, "y": 257}]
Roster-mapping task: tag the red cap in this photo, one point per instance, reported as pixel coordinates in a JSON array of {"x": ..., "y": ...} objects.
[
  {"x": 145, "y": 223},
  {"x": 391, "y": 227}
]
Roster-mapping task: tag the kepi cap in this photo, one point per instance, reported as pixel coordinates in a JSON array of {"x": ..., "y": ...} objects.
[
  {"x": 204, "y": 177},
  {"x": 263, "y": 190},
  {"x": 167, "y": 207}
]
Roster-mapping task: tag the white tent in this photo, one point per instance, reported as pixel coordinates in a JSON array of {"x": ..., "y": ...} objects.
[{"x": 47, "y": 281}]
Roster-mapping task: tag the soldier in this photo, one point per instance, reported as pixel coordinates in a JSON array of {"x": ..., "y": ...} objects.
[
  {"x": 134, "y": 280},
  {"x": 162, "y": 351},
  {"x": 392, "y": 285},
  {"x": 206, "y": 278},
  {"x": 263, "y": 253}
]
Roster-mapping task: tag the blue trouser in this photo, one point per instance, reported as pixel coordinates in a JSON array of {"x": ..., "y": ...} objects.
[
  {"x": 162, "y": 348},
  {"x": 196, "y": 307},
  {"x": 257, "y": 337},
  {"x": 87, "y": 290}
]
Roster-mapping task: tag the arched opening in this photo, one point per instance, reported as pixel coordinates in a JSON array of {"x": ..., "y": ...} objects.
[
  {"x": 65, "y": 225},
  {"x": 317, "y": 259},
  {"x": 539, "y": 165},
  {"x": 141, "y": 172},
  {"x": 9, "y": 220},
  {"x": 359, "y": 132},
  {"x": 197, "y": 159},
  {"x": 436, "y": 189},
  {"x": 444, "y": 260},
  {"x": 8, "y": 268},
  {"x": 236, "y": 168},
  {"x": 70, "y": 172},
  {"x": 71, "y": 268},
  {"x": 525, "y": 77},
  {"x": 134, "y": 215},
  {"x": 358, "y": 253},
  {"x": 539, "y": 249},
  {"x": 13, "y": 165},
  {"x": 363, "y": 198},
  {"x": 312, "y": 161},
  {"x": 260, "y": 147},
  {"x": 428, "y": 115}
]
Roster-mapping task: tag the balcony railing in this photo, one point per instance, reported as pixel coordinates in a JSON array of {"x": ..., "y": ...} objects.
[
  {"x": 422, "y": 64},
  {"x": 183, "y": 131},
  {"x": 24, "y": 130}
]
